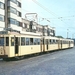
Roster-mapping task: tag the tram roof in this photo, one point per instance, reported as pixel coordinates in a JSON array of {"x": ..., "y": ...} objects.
[{"x": 19, "y": 32}]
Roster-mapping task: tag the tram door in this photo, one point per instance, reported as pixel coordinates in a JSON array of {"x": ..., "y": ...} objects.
[
  {"x": 58, "y": 44},
  {"x": 47, "y": 43},
  {"x": 61, "y": 44},
  {"x": 16, "y": 45},
  {"x": 69, "y": 43},
  {"x": 41, "y": 45}
]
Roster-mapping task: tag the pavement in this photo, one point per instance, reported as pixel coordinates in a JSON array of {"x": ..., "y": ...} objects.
[{"x": 54, "y": 63}]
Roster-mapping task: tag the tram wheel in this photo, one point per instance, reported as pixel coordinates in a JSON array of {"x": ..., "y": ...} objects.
[
  {"x": 6, "y": 59},
  {"x": 19, "y": 57}
]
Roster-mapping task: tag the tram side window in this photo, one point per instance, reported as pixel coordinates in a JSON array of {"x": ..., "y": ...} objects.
[
  {"x": 71, "y": 42},
  {"x": 1, "y": 41},
  {"x": 50, "y": 41},
  {"x": 7, "y": 41},
  {"x": 31, "y": 41},
  {"x": 35, "y": 41},
  {"x": 53, "y": 41},
  {"x": 38, "y": 41},
  {"x": 56, "y": 41},
  {"x": 27, "y": 41},
  {"x": 22, "y": 41},
  {"x": 12, "y": 41}
]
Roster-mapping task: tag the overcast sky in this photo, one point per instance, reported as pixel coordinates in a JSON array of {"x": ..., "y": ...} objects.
[{"x": 60, "y": 13}]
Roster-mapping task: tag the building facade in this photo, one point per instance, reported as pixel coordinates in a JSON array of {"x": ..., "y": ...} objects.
[
  {"x": 48, "y": 30},
  {"x": 2, "y": 14},
  {"x": 14, "y": 14},
  {"x": 11, "y": 17},
  {"x": 10, "y": 14},
  {"x": 31, "y": 26}
]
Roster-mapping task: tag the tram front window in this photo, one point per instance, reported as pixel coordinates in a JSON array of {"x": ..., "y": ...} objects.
[{"x": 1, "y": 41}]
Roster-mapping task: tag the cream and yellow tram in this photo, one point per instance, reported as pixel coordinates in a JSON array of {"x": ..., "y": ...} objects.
[
  {"x": 13, "y": 44},
  {"x": 18, "y": 44},
  {"x": 50, "y": 43},
  {"x": 71, "y": 43},
  {"x": 54, "y": 43},
  {"x": 66, "y": 43}
]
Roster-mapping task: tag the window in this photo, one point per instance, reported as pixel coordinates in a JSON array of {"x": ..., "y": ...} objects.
[
  {"x": 35, "y": 41},
  {"x": 13, "y": 10},
  {"x": 1, "y": 18},
  {"x": 1, "y": 5},
  {"x": 19, "y": 4},
  {"x": 22, "y": 41},
  {"x": 12, "y": 21},
  {"x": 51, "y": 31},
  {"x": 24, "y": 25},
  {"x": 27, "y": 41},
  {"x": 12, "y": 41},
  {"x": 18, "y": 23},
  {"x": 53, "y": 41},
  {"x": 38, "y": 41},
  {"x": 19, "y": 13},
  {"x": 15, "y": 1},
  {"x": 50, "y": 41},
  {"x": 7, "y": 41},
  {"x": 45, "y": 30},
  {"x": 1, "y": 41},
  {"x": 31, "y": 41}
]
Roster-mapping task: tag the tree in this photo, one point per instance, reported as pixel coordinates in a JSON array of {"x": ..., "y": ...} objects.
[{"x": 59, "y": 36}]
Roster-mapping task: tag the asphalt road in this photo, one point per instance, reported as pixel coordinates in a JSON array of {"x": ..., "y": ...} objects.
[{"x": 54, "y": 63}]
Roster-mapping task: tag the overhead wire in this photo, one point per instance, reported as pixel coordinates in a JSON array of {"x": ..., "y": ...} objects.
[
  {"x": 47, "y": 19},
  {"x": 48, "y": 10},
  {"x": 44, "y": 8}
]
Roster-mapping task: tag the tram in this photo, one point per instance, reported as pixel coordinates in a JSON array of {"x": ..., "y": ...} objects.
[{"x": 19, "y": 44}]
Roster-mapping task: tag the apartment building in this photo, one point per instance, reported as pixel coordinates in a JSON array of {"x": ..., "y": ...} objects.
[
  {"x": 31, "y": 26},
  {"x": 25, "y": 25},
  {"x": 11, "y": 17},
  {"x": 10, "y": 14},
  {"x": 14, "y": 14},
  {"x": 2, "y": 14}
]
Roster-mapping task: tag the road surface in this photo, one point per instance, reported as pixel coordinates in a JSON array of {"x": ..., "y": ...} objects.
[{"x": 54, "y": 63}]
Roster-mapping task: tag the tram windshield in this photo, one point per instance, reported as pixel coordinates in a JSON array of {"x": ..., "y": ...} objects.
[{"x": 1, "y": 41}]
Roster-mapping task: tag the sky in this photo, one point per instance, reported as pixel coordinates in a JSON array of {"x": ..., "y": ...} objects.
[{"x": 56, "y": 13}]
